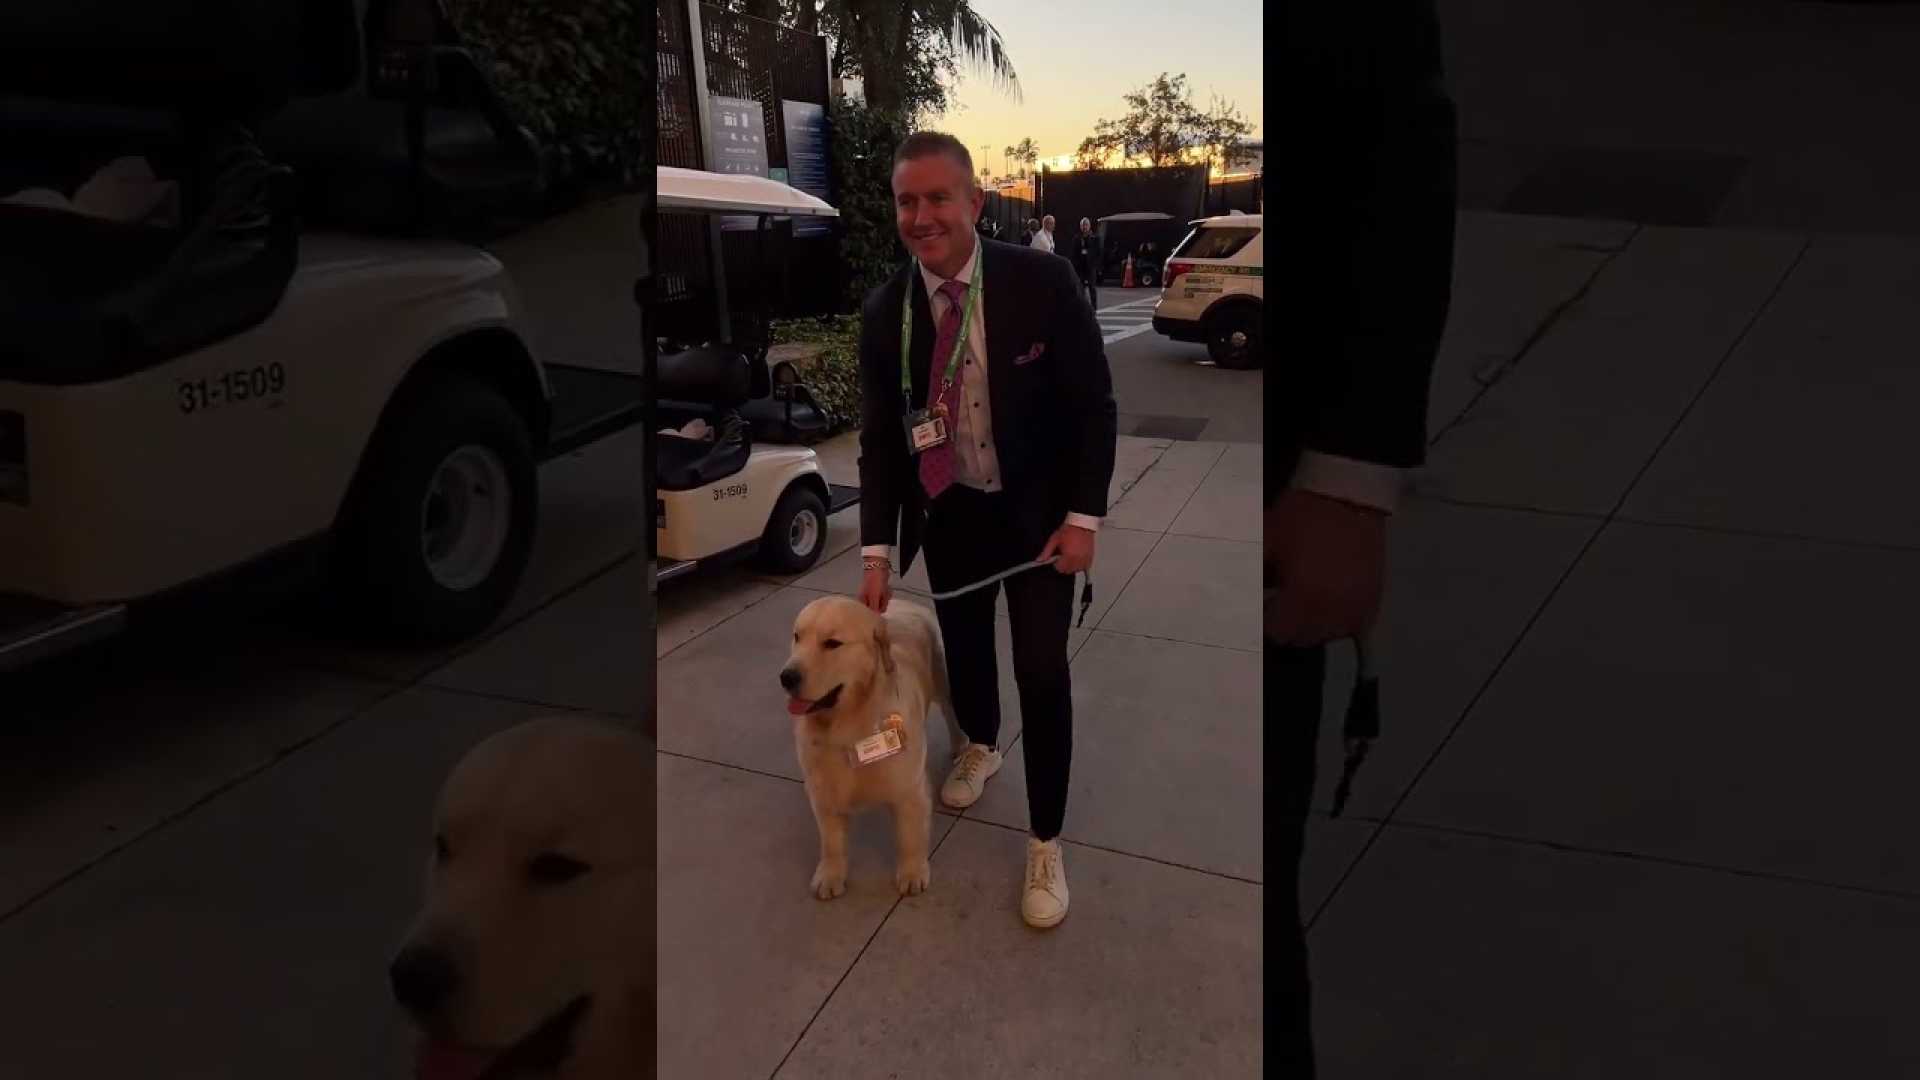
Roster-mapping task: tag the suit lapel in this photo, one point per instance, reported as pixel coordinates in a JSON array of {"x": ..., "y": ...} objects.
[
  {"x": 920, "y": 363},
  {"x": 1003, "y": 327}
]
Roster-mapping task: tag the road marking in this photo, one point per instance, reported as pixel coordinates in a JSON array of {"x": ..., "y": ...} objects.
[{"x": 1122, "y": 335}]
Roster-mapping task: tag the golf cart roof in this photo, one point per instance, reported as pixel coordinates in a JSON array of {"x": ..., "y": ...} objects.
[
  {"x": 1139, "y": 215},
  {"x": 732, "y": 193}
]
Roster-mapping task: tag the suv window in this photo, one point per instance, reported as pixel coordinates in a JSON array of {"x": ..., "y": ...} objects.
[{"x": 1215, "y": 242}]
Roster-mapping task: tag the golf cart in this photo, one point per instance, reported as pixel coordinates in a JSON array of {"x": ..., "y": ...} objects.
[
  {"x": 1146, "y": 235},
  {"x": 195, "y": 381},
  {"x": 724, "y": 488}
]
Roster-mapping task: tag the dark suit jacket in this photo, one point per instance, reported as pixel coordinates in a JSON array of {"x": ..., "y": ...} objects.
[
  {"x": 1372, "y": 275},
  {"x": 1090, "y": 271},
  {"x": 1054, "y": 420}
]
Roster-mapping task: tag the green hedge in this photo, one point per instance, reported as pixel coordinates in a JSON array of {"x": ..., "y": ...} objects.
[
  {"x": 575, "y": 73},
  {"x": 863, "y": 144},
  {"x": 835, "y": 377}
]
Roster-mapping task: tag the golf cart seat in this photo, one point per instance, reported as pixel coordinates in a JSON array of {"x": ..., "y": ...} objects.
[
  {"x": 426, "y": 141},
  {"x": 189, "y": 236},
  {"x": 714, "y": 375}
]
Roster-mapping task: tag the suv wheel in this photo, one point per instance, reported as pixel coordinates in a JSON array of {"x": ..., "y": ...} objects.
[{"x": 1233, "y": 338}]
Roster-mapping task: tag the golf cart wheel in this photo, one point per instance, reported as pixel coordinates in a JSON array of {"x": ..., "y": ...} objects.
[
  {"x": 1233, "y": 338},
  {"x": 442, "y": 518},
  {"x": 796, "y": 533}
]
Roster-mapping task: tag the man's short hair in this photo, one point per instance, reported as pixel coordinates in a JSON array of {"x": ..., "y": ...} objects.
[
  {"x": 1033, "y": 223},
  {"x": 1048, "y": 220},
  {"x": 928, "y": 143}
]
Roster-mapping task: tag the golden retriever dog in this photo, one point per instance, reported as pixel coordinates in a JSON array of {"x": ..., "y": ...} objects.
[
  {"x": 533, "y": 954},
  {"x": 854, "y": 674}
]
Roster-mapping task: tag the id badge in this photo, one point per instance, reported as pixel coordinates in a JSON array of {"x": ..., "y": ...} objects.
[
  {"x": 878, "y": 746},
  {"x": 926, "y": 429}
]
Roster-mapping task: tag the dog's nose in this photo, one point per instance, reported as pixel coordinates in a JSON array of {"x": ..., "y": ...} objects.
[
  {"x": 423, "y": 978},
  {"x": 790, "y": 680}
]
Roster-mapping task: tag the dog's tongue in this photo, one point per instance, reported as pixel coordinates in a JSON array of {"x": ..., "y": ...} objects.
[
  {"x": 798, "y": 706},
  {"x": 444, "y": 1061}
]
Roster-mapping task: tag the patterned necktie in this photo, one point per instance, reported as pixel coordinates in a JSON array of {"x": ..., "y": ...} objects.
[{"x": 936, "y": 463}]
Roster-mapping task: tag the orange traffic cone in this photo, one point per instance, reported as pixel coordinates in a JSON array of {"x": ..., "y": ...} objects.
[{"x": 1126, "y": 278}]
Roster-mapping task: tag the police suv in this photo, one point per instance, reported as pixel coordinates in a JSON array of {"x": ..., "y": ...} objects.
[{"x": 1214, "y": 292}]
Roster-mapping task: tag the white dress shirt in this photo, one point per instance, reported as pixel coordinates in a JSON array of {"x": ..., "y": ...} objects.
[
  {"x": 1362, "y": 483},
  {"x": 1043, "y": 240},
  {"x": 976, "y": 461}
]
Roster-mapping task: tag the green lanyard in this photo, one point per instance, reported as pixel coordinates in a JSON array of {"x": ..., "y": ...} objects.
[{"x": 906, "y": 327}]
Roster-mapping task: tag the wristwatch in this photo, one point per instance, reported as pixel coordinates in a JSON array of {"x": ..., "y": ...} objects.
[{"x": 876, "y": 562}]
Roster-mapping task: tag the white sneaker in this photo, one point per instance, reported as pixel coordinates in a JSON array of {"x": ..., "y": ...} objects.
[
  {"x": 969, "y": 776},
  {"x": 1045, "y": 901}
]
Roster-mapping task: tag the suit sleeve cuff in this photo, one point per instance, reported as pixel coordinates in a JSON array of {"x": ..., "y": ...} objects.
[
  {"x": 1362, "y": 483},
  {"x": 1091, "y": 524}
]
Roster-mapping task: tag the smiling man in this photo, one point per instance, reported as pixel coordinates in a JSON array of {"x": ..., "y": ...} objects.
[{"x": 989, "y": 433}]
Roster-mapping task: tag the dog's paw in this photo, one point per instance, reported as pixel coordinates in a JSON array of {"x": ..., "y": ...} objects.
[
  {"x": 829, "y": 880},
  {"x": 912, "y": 878}
]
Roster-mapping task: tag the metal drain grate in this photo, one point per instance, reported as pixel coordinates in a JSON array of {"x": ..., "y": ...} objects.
[{"x": 1177, "y": 428}]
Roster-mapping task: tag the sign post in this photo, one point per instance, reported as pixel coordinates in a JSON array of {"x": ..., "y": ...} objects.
[{"x": 805, "y": 125}]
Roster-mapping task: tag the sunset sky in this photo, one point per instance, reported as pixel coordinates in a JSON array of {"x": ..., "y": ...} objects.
[{"x": 1076, "y": 58}]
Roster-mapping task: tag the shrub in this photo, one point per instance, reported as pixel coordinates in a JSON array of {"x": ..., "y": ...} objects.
[
  {"x": 863, "y": 144},
  {"x": 575, "y": 73},
  {"x": 834, "y": 379}
]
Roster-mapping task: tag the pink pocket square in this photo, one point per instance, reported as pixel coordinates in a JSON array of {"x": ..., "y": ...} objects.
[{"x": 1031, "y": 354}]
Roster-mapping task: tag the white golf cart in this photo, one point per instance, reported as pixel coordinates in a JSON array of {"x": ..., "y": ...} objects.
[
  {"x": 724, "y": 487},
  {"x": 230, "y": 387}
]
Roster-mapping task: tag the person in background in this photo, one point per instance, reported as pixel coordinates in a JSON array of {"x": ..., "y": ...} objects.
[
  {"x": 1044, "y": 238},
  {"x": 1028, "y": 230},
  {"x": 1086, "y": 260},
  {"x": 1353, "y": 408}
]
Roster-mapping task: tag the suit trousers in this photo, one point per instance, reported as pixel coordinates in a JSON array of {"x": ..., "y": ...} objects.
[
  {"x": 1299, "y": 685},
  {"x": 967, "y": 539}
]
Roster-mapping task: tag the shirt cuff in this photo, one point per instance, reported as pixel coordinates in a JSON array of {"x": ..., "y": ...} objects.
[
  {"x": 884, "y": 551},
  {"x": 1091, "y": 524},
  {"x": 1363, "y": 483}
]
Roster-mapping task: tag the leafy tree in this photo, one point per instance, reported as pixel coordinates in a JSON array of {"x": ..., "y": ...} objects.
[
  {"x": 863, "y": 142},
  {"x": 1162, "y": 127},
  {"x": 903, "y": 50}
]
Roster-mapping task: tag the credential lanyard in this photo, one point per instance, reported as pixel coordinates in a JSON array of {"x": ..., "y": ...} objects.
[{"x": 906, "y": 328}]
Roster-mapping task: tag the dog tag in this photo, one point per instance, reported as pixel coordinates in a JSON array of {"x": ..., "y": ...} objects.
[{"x": 878, "y": 746}]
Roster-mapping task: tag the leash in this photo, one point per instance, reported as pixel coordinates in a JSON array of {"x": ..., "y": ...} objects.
[{"x": 1086, "y": 589}]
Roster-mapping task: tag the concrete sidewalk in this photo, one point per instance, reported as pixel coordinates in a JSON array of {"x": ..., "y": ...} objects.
[
  {"x": 1157, "y": 971},
  {"x": 1639, "y": 804}
]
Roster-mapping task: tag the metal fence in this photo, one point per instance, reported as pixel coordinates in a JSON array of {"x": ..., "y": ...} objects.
[
  {"x": 1245, "y": 195},
  {"x": 1180, "y": 190},
  {"x": 759, "y": 61},
  {"x": 1009, "y": 212}
]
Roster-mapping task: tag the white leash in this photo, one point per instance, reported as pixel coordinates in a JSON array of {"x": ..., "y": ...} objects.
[{"x": 1086, "y": 591}]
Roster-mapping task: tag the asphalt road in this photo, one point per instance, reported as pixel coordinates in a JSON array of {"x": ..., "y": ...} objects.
[{"x": 1167, "y": 389}]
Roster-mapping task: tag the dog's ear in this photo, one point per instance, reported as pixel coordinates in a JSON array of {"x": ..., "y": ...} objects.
[{"x": 883, "y": 644}]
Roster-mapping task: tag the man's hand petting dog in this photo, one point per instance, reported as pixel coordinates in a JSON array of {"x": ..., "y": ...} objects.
[
  {"x": 1074, "y": 545},
  {"x": 876, "y": 589}
]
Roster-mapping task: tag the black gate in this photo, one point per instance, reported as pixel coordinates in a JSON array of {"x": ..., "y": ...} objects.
[{"x": 763, "y": 62}]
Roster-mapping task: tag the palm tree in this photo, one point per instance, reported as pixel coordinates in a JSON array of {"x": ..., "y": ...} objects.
[
  {"x": 877, "y": 37},
  {"x": 1027, "y": 152}
]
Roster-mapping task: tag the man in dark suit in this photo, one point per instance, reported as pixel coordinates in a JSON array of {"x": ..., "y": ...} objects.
[
  {"x": 1087, "y": 257},
  {"x": 1352, "y": 411},
  {"x": 1000, "y": 347}
]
